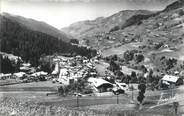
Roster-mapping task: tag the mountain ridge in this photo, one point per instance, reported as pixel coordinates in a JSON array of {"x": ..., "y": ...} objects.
[{"x": 104, "y": 24}]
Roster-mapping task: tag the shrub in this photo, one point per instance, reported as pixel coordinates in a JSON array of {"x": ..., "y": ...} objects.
[
  {"x": 181, "y": 12},
  {"x": 139, "y": 58}
]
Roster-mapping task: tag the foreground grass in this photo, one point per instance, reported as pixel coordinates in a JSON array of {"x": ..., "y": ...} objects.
[{"x": 10, "y": 106}]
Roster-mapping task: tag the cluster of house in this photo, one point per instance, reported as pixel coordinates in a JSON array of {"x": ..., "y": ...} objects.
[
  {"x": 69, "y": 69},
  {"x": 26, "y": 74},
  {"x": 26, "y": 71},
  {"x": 10, "y": 57}
]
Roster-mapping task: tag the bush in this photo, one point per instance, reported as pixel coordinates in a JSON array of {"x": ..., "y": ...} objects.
[
  {"x": 128, "y": 55},
  {"x": 74, "y": 41},
  {"x": 114, "y": 66},
  {"x": 157, "y": 46},
  {"x": 181, "y": 12},
  {"x": 139, "y": 58}
]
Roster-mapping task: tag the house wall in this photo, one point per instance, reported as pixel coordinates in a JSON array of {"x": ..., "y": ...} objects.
[{"x": 179, "y": 82}]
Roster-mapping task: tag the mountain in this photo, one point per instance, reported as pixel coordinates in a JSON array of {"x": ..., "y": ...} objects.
[
  {"x": 30, "y": 45},
  {"x": 91, "y": 27},
  {"x": 121, "y": 28},
  {"x": 39, "y": 26},
  {"x": 161, "y": 27},
  {"x": 159, "y": 36}
]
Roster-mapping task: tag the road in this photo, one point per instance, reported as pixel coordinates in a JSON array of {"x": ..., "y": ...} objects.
[{"x": 180, "y": 98}]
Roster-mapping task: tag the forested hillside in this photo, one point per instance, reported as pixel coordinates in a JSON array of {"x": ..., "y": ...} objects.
[
  {"x": 30, "y": 45},
  {"x": 39, "y": 26}
]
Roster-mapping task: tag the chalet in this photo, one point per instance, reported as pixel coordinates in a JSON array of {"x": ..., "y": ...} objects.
[
  {"x": 41, "y": 73},
  {"x": 19, "y": 75},
  {"x": 172, "y": 80},
  {"x": 26, "y": 64},
  {"x": 128, "y": 71},
  {"x": 5, "y": 76},
  {"x": 25, "y": 67},
  {"x": 100, "y": 84}
]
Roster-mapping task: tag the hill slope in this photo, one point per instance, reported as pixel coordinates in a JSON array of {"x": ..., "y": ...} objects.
[
  {"x": 159, "y": 37},
  {"x": 39, "y": 26}
]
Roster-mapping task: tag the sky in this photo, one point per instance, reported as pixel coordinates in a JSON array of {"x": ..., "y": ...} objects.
[{"x": 62, "y": 13}]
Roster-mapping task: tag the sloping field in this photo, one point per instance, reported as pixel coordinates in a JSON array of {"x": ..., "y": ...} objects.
[
  {"x": 8, "y": 82},
  {"x": 121, "y": 49},
  {"x": 34, "y": 86},
  {"x": 101, "y": 68}
]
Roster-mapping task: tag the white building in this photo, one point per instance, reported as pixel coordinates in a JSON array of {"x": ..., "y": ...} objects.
[
  {"x": 100, "y": 84},
  {"x": 169, "y": 79},
  {"x": 64, "y": 76}
]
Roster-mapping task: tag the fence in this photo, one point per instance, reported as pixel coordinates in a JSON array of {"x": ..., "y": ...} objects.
[{"x": 91, "y": 100}]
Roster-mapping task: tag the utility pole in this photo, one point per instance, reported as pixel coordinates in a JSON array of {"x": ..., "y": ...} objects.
[
  {"x": 117, "y": 99},
  {"x": 172, "y": 93},
  {"x": 77, "y": 96},
  {"x": 132, "y": 92},
  {"x": 77, "y": 101}
]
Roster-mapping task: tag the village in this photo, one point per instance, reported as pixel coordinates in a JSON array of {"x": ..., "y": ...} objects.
[{"x": 89, "y": 77}]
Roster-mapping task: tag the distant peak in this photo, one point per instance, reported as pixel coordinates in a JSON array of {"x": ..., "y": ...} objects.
[{"x": 175, "y": 5}]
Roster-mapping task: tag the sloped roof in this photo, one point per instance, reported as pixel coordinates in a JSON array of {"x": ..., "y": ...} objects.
[
  {"x": 39, "y": 73},
  {"x": 24, "y": 68},
  {"x": 170, "y": 78},
  {"x": 99, "y": 82},
  {"x": 19, "y": 74},
  {"x": 26, "y": 64},
  {"x": 128, "y": 71},
  {"x": 2, "y": 75}
]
